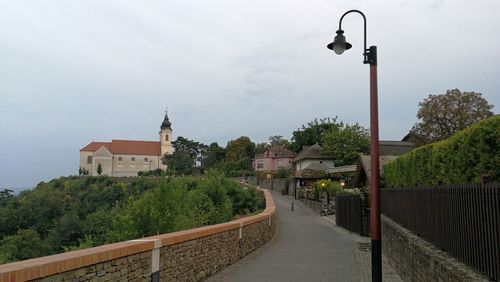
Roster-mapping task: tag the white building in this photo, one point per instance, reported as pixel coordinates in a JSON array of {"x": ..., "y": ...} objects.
[{"x": 127, "y": 157}]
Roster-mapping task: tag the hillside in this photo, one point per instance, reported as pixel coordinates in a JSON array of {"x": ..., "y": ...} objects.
[{"x": 73, "y": 212}]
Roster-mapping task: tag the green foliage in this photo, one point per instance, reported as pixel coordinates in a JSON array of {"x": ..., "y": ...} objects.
[
  {"x": 5, "y": 196},
  {"x": 72, "y": 213},
  {"x": 237, "y": 168},
  {"x": 155, "y": 172},
  {"x": 278, "y": 141},
  {"x": 463, "y": 158},
  {"x": 331, "y": 187},
  {"x": 346, "y": 142},
  {"x": 99, "y": 169},
  {"x": 312, "y": 133},
  {"x": 25, "y": 244},
  {"x": 261, "y": 148},
  {"x": 446, "y": 114},
  {"x": 283, "y": 172},
  {"x": 186, "y": 156},
  {"x": 213, "y": 156},
  {"x": 239, "y": 149}
]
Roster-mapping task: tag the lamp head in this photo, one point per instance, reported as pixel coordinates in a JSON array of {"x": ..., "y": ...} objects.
[{"x": 339, "y": 45}]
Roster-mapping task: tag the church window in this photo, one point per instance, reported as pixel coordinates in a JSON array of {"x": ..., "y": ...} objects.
[
  {"x": 133, "y": 159},
  {"x": 120, "y": 159},
  {"x": 89, "y": 159},
  {"x": 166, "y": 137},
  {"x": 145, "y": 160}
]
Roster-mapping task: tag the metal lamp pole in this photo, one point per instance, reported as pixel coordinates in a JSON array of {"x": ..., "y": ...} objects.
[{"x": 339, "y": 45}]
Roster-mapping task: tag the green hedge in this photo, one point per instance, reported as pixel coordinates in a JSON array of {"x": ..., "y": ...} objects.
[{"x": 462, "y": 158}]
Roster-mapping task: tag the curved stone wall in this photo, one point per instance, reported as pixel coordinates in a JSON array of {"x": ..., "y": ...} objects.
[{"x": 188, "y": 255}]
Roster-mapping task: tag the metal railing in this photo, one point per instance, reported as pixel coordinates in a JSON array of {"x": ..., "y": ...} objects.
[{"x": 463, "y": 220}]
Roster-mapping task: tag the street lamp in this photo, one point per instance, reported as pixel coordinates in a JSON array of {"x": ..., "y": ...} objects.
[{"x": 339, "y": 45}]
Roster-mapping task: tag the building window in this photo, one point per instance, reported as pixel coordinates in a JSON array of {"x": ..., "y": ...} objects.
[
  {"x": 166, "y": 137},
  {"x": 132, "y": 159},
  {"x": 120, "y": 159},
  {"x": 89, "y": 159},
  {"x": 260, "y": 164},
  {"x": 145, "y": 160}
]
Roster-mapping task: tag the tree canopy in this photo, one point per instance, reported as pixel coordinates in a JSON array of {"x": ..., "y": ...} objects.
[
  {"x": 186, "y": 156},
  {"x": 278, "y": 140},
  {"x": 240, "y": 148},
  {"x": 443, "y": 115},
  {"x": 346, "y": 142},
  {"x": 213, "y": 155},
  {"x": 72, "y": 213},
  {"x": 312, "y": 133}
]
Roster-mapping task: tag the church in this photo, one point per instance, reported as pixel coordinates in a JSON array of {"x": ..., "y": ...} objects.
[{"x": 127, "y": 157}]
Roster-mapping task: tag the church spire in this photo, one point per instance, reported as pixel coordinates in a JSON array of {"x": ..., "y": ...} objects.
[{"x": 166, "y": 124}]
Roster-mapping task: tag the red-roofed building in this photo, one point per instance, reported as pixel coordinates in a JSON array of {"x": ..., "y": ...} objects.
[{"x": 127, "y": 157}]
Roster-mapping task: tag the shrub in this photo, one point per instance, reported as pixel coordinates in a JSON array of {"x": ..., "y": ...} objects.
[
  {"x": 331, "y": 187},
  {"x": 463, "y": 158}
]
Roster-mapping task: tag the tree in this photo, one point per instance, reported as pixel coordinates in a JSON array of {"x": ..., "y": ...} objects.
[
  {"x": 187, "y": 154},
  {"x": 446, "y": 114},
  {"x": 5, "y": 196},
  {"x": 25, "y": 244},
  {"x": 260, "y": 148},
  {"x": 312, "y": 133},
  {"x": 240, "y": 148},
  {"x": 345, "y": 142},
  {"x": 213, "y": 155},
  {"x": 99, "y": 169},
  {"x": 277, "y": 140}
]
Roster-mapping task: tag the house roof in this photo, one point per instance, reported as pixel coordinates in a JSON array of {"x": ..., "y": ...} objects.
[
  {"x": 316, "y": 167},
  {"x": 364, "y": 166},
  {"x": 313, "y": 152},
  {"x": 276, "y": 152},
  {"x": 127, "y": 147},
  {"x": 341, "y": 169},
  {"x": 395, "y": 148},
  {"x": 312, "y": 171}
]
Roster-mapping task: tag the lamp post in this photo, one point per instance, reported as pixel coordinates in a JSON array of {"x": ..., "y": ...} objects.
[{"x": 339, "y": 45}]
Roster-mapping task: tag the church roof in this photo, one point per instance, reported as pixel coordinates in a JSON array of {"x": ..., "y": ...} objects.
[
  {"x": 127, "y": 147},
  {"x": 166, "y": 123}
]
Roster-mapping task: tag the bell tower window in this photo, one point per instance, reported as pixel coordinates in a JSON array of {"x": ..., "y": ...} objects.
[{"x": 166, "y": 137}]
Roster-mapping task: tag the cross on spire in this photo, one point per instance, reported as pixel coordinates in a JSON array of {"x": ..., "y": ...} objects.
[{"x": 166, "y": 122}]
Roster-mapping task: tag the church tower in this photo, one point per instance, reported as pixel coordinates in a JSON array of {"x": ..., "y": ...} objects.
[{"x": 166, "y": 136}]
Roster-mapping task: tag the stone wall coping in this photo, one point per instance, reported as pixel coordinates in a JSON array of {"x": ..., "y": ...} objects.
[{"x": 54, "y": 264}]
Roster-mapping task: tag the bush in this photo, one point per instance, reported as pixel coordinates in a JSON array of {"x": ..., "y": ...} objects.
[
  {"x": 463, "y": 158},
  {"x": 331, "y": 187}
]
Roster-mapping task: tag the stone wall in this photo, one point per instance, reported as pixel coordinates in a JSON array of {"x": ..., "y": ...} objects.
[
  {"x": 314, "y": 205},
  {"x": 414, "y": 259},
  {"x": 135, "y": 267},
  {"x": 188, "y": 255}
]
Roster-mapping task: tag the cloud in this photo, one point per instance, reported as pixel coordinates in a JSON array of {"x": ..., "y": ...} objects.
[{"x": 73, "y": 71}]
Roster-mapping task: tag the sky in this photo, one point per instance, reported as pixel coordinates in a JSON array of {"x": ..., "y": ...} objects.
[{"x": 76, "y": 71}]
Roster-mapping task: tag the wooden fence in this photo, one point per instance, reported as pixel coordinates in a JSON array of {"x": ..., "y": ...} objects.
[
  {"x": 348, "y": 213},
  {"x": 463, "y": 220}
]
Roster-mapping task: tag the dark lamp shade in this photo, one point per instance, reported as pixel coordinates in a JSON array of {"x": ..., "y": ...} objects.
[{"x": 339, "y": 45}]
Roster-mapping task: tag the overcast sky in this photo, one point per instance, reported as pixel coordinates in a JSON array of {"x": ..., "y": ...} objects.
[{"x": 76, "y": 71}]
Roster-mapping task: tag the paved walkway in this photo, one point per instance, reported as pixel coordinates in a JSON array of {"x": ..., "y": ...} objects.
[{"x": 306, "y": 247}]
